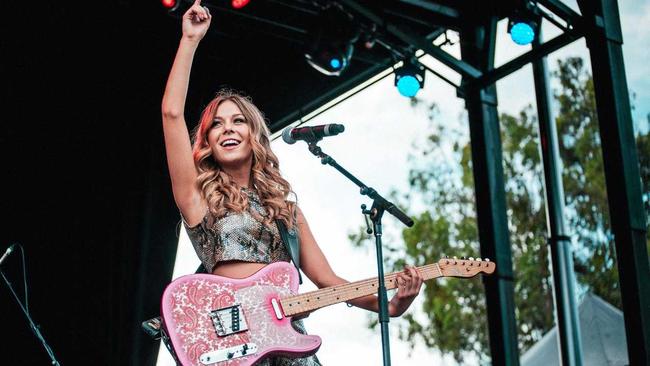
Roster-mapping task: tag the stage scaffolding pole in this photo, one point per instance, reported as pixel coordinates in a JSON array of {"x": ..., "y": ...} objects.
[
  {"x": 622, "y": 174},
  {"x": 477, "y": 48},
  {"x": 566, "y": 308}
]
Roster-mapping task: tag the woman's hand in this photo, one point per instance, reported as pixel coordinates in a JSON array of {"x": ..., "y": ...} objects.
[
  {"x": 409, "y": 283},
  {"x": 196, "y": 21}
]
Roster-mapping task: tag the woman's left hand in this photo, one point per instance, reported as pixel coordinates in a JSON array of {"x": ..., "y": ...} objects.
[{"x": 409, "y": 283}]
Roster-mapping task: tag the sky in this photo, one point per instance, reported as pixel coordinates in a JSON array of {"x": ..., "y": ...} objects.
[{"x": 381, "y": 128}]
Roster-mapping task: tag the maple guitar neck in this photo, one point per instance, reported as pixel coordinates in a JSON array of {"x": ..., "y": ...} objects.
[{"x": 449, "y": 267}]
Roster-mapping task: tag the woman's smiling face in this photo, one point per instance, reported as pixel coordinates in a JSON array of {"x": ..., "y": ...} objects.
[{"x": 229, "y": 137}]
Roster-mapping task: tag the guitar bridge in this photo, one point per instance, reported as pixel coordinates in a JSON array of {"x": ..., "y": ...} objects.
[{"x": 229, "y": 320}]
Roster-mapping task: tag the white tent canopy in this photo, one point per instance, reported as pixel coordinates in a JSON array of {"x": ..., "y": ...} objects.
[{"x": 602, "y": 332}]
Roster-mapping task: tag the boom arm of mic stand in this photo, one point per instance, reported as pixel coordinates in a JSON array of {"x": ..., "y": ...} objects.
[
  {"x": 379, "y": 201},
  {"x": 379, "y": 205}
]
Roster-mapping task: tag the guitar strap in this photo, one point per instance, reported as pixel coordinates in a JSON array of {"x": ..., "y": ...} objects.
[{"x": 290, "y": 240}]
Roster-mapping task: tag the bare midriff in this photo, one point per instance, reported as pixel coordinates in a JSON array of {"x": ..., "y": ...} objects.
[{"x": 237, "y": 269}]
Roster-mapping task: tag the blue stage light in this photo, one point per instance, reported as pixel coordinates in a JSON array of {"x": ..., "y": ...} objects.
[
  {"x": 522, "y": 33},
  {"x": 408, "y": 86},
  {"x": 409, "y": 78},
  {"x": 335, "y": 63}
]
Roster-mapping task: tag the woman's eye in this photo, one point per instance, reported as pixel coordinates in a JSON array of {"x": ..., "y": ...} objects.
[
  {"x": 240, "y": 120},
  {"x": 216, "y": 124}
]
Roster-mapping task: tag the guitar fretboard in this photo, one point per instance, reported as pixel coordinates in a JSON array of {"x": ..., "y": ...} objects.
[{"x": 317, "y": 299}]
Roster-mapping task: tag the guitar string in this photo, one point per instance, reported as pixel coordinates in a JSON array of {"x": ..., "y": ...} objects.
[
  {"x": 432, "y": 270},
  {"x": 344, "y": 290},
  {"x": 353, "y": 287},
  {"x": 351, "y": 290}
]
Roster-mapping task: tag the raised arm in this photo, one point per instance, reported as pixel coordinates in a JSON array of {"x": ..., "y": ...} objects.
[{"x": 195, "y": 24}]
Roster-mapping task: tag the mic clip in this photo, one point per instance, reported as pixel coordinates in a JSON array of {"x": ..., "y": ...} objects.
[
  {"x": 317, "y": 151},
  {"x": 365, "y": 214},
  {"x": 311, "y": 137}
]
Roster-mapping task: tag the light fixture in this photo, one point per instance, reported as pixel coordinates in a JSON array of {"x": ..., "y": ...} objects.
[
  {"x": 522, "y": 31},
  {"x": 523, "y": 23},
  {"x": 170, "y": 5},
  {"x": 409, "y": 78},
  {"x": 176, "y": 8},
  {"x": 331, "y": 41},
  {"x": 238, "y": 4}
]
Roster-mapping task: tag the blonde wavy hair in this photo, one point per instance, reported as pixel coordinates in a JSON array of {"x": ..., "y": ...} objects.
[{"x": 217, "y": 187}]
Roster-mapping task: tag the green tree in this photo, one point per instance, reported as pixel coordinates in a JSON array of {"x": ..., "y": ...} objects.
[{"x": 454, "y": 310}]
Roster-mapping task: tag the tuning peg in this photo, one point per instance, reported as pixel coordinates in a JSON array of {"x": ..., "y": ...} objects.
[
  {"x": 479, "y": 259},
  {"x": 455, "y": 257},
  {"x": 487, "y": 259},
  {"x": 471, "y": 258},
  {"x": 462, "y": 258}
]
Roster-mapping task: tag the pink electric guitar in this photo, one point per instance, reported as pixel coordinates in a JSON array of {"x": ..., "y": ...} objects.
[{"x": 214, "y": 320}]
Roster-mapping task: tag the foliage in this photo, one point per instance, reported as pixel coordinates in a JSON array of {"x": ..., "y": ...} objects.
[{"x": 441, "y": 181}]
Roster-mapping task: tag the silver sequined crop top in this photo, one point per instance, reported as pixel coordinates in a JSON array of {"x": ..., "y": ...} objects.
[{"x": 237, "y": 236}]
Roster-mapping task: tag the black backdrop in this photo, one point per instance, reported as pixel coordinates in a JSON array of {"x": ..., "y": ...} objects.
[{"x": 84, "y": 182}]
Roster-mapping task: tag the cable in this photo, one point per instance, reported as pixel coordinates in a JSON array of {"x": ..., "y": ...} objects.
[{"x": 22, "y": 255}]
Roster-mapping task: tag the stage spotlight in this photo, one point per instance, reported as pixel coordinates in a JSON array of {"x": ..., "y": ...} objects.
[
  {"x": 331, "y": 41},
  {"x": 176, "y": 8},
  {"x": 409, "y": 78},
  {"x": 170, "y": 4},
  {"x": 330, "y": 60},
  {"x": 522, "y": 30},
  {"x": 238, "y": 4}
]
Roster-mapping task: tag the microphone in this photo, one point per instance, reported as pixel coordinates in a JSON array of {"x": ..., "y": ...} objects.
[
  {"x": 310, "y": 134},
  {"x": 9, "y": 250}
]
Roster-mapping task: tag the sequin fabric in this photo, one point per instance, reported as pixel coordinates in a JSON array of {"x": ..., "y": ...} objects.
[{"x": 237, "y": 236}]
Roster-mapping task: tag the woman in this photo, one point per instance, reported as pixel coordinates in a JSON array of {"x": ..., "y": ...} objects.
[{"x": 229, "y": 190}]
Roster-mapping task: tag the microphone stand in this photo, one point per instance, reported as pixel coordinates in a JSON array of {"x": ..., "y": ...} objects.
[
  {"x": 35, "y": 328},
  {"x": 379, "y": 205}
]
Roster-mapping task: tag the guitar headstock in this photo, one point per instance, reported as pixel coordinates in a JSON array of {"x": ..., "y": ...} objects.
[{"x": 465, "y": 267}]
